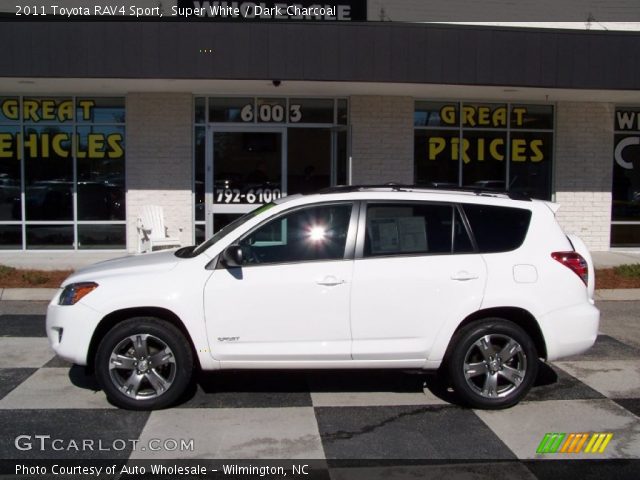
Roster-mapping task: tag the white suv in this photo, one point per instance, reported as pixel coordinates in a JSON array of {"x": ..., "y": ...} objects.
[{"x": 476, "y": 284}]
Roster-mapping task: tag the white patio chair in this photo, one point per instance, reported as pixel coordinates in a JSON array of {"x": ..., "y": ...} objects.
[{"x": 152, "y": 231}]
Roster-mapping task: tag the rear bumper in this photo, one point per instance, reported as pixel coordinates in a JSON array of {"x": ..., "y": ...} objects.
[
  {"x": 571, "y": 330},
  {"x": 70, "y": 329}
]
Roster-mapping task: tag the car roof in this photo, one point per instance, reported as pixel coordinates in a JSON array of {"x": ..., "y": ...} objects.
[{"x": 393, "y": 187}]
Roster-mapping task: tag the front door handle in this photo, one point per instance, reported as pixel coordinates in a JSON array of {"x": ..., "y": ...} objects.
[
  {"x": 463, "y": 275},
  {"x": 330, "y": 281}
]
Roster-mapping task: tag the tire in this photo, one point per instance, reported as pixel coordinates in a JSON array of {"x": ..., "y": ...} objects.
[
  {"x": 491, "y": 364},
  {"x": 154, "y": 364}
]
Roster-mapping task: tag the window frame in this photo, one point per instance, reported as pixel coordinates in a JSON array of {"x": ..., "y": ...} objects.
[
  {"x": 362, "y": 229},
  {"x": 350, "y": 244}
]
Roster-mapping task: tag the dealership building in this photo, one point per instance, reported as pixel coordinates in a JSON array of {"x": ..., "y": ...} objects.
[{"x": 208, "y": 119}]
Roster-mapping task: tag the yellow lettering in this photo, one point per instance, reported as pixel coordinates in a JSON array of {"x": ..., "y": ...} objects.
[
  {"x": 30, "y": 110},
  {"x": 96, "y": 145},
  {"x": 56, "y": 144},
  {"x": 480, "y": 149},
  {"x": 519, "y": 113},
  {"x": 468, "y": 117},
  {"x": 10, "y": 109},
  {"x": 80, "y": 153},
  {"x": 44, "y": 145},
  {"x": 518, "y": 150},
  {"x": 6, "y": 141},
  {"x": 483, "y": 116},
  {"x": 65, "y": 111},
  {"x": 115, "y": 143},
  {"x": 465, "y": 148},
  {"x": 436, "y": 146},
  {"x": 86, "y": 106},
  {"x": 448, "y": 114},
  {"x": 48, "y": 109},
  {"x": 455, "y": 148},
  {"x": 31, "y": 145},
  {"x": 493, "y": 148},
  {"x": 500, "y": 117},
  {"x": 537, "y": 156}
]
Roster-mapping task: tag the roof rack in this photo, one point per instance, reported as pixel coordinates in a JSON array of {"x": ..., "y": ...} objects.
[{"x": 398, "y": 187}]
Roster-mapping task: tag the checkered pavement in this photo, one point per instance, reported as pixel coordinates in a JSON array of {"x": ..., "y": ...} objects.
[{"x": 339, "y": 415}]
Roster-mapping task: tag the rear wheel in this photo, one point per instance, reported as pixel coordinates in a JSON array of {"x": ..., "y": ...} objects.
[
  {"x": 144, "y": 363},
  {"x": 492, "y": 363}
]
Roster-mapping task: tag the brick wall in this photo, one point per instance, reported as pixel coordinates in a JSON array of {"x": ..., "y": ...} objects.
[
  {"x": 159, "y": 161},
  {"x": 381, "y": 139},
  {"x": 583, "y": 170}
]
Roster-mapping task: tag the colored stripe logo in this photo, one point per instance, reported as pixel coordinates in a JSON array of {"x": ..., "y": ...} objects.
[{"x": 574, "y": 442}]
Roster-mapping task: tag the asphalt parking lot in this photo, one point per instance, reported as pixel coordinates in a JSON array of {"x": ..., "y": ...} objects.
[{"x": 400, "y": 417}]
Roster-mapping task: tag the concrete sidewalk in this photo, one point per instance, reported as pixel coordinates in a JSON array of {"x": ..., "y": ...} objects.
[{"x": 614, "y": 258}]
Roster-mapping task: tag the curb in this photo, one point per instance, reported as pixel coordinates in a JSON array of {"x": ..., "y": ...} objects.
[
  {"x": 27, "y": 294},
  {"x": 46, "y": 294}
]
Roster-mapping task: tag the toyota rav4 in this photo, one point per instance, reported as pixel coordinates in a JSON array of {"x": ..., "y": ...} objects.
[{"x": 477, "y": 285}]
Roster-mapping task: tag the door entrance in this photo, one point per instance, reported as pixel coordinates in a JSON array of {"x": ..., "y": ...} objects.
[{"x": 244, "y": 170}]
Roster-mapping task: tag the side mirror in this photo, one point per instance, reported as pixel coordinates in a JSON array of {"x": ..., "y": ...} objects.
[{"x": 232, "y": 256}]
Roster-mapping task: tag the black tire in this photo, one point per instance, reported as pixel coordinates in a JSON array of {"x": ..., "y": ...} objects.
[
  {"x": 498, "y": 377},
  {"x": 148, "y": 381}
]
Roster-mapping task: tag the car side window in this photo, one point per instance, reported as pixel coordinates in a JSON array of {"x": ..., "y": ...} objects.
[
  {"x": 497, "y": 229},
  {"x": 306, "y": 234},
  {"x": 408, "y": 228}
]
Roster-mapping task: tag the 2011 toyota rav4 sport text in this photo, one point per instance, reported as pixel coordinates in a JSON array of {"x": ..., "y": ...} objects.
[{"x": 477, "y": 285}]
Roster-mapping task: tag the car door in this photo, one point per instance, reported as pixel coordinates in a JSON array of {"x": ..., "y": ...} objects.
[
  {"x": 289, "y": 300},
  {"x": 415, "y": 270}
]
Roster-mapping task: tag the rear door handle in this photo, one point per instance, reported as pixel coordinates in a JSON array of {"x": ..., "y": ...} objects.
[
  {"x": 330, "y": 281},
  {"x": 463, "y": 275}
]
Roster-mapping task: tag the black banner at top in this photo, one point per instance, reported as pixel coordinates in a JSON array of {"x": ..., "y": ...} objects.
[{"x": 297, "y": 10}]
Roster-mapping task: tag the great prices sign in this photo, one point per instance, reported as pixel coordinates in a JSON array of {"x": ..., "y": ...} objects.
[
  {"x": 46, "y": 134},
  {"x": 484, "y": 133}
]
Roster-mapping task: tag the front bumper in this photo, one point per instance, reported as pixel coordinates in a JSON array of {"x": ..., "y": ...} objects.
[
  {"x": 570, "y": 331},
  {"x": 70, "y": 329}
]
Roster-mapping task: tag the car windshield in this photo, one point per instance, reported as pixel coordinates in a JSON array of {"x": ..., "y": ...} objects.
[{"x": 194, "y": 251}]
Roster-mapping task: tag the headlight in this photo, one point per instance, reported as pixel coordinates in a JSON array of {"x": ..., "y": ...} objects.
[{"x": 74, "y": 292}]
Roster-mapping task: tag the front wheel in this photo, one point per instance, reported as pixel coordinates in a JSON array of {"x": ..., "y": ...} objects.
[
  {"x": 144, "y": 363},
  {"x": 492, "y": 364}
]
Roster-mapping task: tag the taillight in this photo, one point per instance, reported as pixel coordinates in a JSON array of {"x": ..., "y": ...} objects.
[{"x": 575, "y": 262}]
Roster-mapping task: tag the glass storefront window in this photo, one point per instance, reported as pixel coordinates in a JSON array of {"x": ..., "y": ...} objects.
[
  {"x": 67, "y": 156},
  {"x": 100, "y": 110},
  {"x": 486, "y": 145},
  {"x": 309, "y": 159},
  {"x": 94, "y": 237},
  {"x": 484, "y": 155},
  {"x": 234, "y": 109},
  {"x": 48, "y": 173},
  {"x": 625, "y": 213},
  {"x": 530, "y": 167},
  {"x": 440, "y": 149},
  {"x": 47, "y": 237},
  {"x": 311, "y": 110},
  {"x": 10, "y": 187},
  {"x": 246, "y": 167}
]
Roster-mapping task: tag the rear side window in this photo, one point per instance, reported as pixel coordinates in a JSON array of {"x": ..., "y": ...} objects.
[
  {"x": 414, "y": 228},
  {"x": 497, "y": 229}
]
